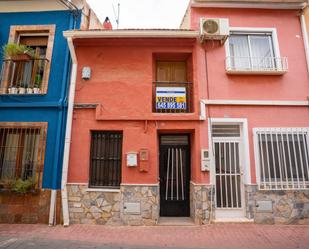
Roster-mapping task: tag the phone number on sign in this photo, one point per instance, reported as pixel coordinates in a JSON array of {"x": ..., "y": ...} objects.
[{"x": 171, "y": 105}]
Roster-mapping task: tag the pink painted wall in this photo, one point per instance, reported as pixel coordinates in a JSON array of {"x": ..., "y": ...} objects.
[
  {"x": 121, "y": 85},
  {"x": 294, "y": 85}
]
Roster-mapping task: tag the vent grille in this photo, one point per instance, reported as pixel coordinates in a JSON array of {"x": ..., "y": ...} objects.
[
  {"x": 174, "y": 140},
  {"x": 225, "y": 130}
]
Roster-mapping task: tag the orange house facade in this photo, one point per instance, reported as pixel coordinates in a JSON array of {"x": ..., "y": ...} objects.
[{"x": 209, "y": 121}]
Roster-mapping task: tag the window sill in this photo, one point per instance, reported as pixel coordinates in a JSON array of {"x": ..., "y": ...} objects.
[
  {"x": 107, "y": 190},
  {"x": 255, "y": 72},
  {"x": 22, "y": 94}
]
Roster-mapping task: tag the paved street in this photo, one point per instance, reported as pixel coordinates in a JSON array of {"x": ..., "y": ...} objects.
[{"x": 223, "y": 236}]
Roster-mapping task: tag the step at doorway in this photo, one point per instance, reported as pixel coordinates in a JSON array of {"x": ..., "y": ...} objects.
[{"x": 176, "y": 221}]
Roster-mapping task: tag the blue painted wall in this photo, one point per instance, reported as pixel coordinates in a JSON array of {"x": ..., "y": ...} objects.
[{"x": 52, "y": 107}]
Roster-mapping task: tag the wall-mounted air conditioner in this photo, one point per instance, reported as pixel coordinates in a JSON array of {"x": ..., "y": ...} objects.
[{"x": 214, "y": 29}]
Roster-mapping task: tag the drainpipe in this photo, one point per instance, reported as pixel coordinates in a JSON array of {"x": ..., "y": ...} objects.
[
  {"x": 305, "y": 37},
  {"x": 66, "y": 155},
  {"x": 60, "y": 133}
]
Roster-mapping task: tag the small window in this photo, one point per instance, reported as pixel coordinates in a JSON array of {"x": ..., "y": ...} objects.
[
  {"x": 282, "y": 158},
  {"x": 105, "y": 159},
  {"x": 253, "y": 52},
  {"x": 172, "y": 85},
  {"x": 22, "y": 75},
  {"x": 21, "y": 153}
]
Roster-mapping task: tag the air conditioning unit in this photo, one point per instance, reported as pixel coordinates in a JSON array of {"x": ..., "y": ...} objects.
[{"x": 214, "y": 29}]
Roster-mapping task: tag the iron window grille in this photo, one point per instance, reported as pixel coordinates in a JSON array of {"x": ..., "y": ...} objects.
[
  {"x": 105, "y": 159},
  {"x": 21, "y": 154},
  {"x": 282, "y": 158}
]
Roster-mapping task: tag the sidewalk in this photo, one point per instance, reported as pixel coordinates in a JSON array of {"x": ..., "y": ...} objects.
[{"x": 219, "y": 236}]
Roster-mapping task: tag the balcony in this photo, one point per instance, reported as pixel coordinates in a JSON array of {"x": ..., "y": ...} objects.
[
  {"x": 23, "y": 77},
  {"x": 256, "y": 65},
  {"x": 172, "y": 97}
]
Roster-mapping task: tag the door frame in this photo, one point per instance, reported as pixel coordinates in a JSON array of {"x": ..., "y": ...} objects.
[
  {"x": 243, "y": 153},
  {"x": 188, "y": 134}
]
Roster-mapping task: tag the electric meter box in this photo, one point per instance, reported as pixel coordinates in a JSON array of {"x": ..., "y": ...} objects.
[
  {"x": 132, "y": 159},
  {"x": 205, "y": 160}
]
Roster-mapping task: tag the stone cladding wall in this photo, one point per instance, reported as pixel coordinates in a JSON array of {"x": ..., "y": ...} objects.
[
  {"x": 100, "y": 207},
  {"x": 200, "y": 203}
]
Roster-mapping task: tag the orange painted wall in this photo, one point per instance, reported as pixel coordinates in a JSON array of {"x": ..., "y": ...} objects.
[{"x": 121, "y": 85}]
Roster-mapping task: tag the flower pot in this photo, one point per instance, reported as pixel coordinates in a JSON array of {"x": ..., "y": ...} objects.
[
  {"x": 12, "y": 90},
  {"x": 36, "y": 90},
  {"x": 29, "y": 90},
  {"x": 21, "y": 90},
  {"x": 21, "y": 57}
]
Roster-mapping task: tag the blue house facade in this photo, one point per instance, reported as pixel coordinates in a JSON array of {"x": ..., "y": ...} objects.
[{"x": 35, "y": 66}]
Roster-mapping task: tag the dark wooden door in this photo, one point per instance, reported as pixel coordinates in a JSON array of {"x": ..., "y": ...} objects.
[{"x": 174, "y": 175}]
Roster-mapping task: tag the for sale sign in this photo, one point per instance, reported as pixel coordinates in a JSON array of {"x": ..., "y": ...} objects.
[{"x": 171, "y": 98}]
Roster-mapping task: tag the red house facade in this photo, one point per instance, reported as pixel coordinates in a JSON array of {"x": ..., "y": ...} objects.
[{"x": 209, "y": 121}]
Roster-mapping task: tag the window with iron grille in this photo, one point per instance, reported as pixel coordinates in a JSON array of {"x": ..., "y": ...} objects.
[
  {"x": 105, "y": 159},
  {"x": 282, "y": 157},
  {"x": 21, "y": 154}
]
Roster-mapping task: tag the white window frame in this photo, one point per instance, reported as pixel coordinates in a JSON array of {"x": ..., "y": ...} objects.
[
  {"x": 257, "y": 150},
  {"x": 247, "y": 31}
]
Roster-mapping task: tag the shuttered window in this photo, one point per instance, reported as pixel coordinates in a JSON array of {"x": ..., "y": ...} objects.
[
  {"x": 105, "y": 159},
  {"x": 282, "y": 157}
]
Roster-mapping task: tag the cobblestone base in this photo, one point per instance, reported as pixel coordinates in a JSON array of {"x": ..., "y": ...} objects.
[
  {"x": 200, "y": 203},
  {"x": 110, "y": 208},
  {"x": 145, "y": 197},
  {"x": 285, "y": 206},
  {"x": 93, "y": 207}
]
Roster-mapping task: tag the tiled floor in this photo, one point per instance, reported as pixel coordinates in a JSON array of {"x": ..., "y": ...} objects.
[{"x": 216, "y": 236}]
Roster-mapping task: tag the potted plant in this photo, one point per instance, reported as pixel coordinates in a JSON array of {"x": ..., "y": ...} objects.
[
  {"x": 23, "y": 186},
  {"x": 37, "y": 84},
  {"x": 29, "y": 90},
  {"x": 21, "y": 89},
  {"x": 12, "y": 90},
  {"x": 17, "y": 52}
]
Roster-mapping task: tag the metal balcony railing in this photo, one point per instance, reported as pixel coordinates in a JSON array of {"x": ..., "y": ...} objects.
[
  {"x": 172, "y": 97},
  {"x": 256, "y": 65},
  {"x": 22, "y": 76}
]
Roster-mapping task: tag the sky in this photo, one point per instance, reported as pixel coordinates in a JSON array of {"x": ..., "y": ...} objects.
[{"x": 141, "y": 13}]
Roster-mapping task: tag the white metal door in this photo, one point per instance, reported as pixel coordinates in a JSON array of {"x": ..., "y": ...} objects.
[{"x": 228, "y": 178}]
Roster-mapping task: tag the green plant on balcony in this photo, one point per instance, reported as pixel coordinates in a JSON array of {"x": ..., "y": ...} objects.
[
  {"x": 23, "y": 186},
  {"x": 37, "y": 84},
  {"x": 17, "y": 52}
]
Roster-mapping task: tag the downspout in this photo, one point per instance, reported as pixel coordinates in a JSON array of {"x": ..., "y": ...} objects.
[
  {"x": 60, "y": 125},
  {"x": 305, "y": 36},
  {"x": 66, "y": 154}
]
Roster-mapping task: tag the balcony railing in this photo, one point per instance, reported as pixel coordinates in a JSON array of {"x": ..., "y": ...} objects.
[
  {"x": 22, "y": 77},
  {"x": 256, "y": 65},
  {"x": 172, "y": 97}
]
